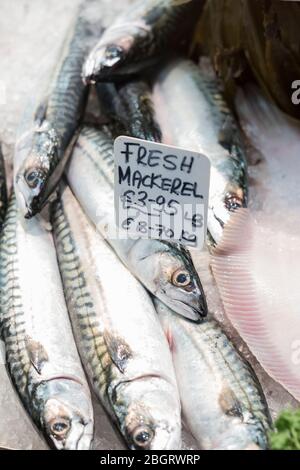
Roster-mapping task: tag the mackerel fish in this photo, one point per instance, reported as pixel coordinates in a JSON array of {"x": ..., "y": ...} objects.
[
  {"x": 165, "y": 269},
  {"x": 118, "y": 334},
  {"x": 48, "y": 128},
  {"x": 206, "y": 126},
  {"x": 40, "y": 350},
  {"x": 139, "y": 36},
  {"x": 222, "y": 402}
]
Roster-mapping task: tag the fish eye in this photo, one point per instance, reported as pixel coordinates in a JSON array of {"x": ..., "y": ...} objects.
[
  {"x": 34, "y": 178},
  {"x": 181, "y": 278},
  {"x": 113, "y": 55},
  {"x": 233, "y": 202},
  {"x": 60, "y": 427},
  {"x": 142, "y": 436}
]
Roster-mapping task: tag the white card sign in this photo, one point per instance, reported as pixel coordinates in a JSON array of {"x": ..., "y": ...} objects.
[{"x": 160, "y": 191}]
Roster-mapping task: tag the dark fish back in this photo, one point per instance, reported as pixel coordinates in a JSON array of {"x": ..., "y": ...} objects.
[{"x": 3, "y": 189}]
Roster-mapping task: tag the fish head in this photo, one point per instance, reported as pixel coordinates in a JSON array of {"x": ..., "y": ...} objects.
[
  {"x": 115, "y": 54},
  {"x": 226, "y": 197},
  {"x": 177, "y": 283},
  {"x": 32, "y": 177},
  {"x": 153, "y": 418},
  {"x": 67, "y": 416}
]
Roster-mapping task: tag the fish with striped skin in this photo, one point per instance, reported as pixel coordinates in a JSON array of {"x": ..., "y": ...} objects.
[
  {"x": 118, "y": 334},
  {"x": 130, "y": 105},
  {"x": 51, "y": 120},
  {"x": 40, "y": 350},
  {"x": 3, "y": 189},
  {"x": 222, "y": 402},
  {"x": 165, "y": 269},
  {"x": 206, "y": 126},
  {"x": 139, "y": 35}
]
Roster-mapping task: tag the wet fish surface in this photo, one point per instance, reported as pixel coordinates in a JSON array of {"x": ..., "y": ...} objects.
[
  {"x": 165, "y": 269},
  {"x": 222, "y": 402},
  {"x": 257, "y": 263},
  {"x": 52, "y": 118},
  {"x": 118, "y": 334},
  {"x": 130, "y": 106},
  {"x": 3, "y": 189},
  {"x": 139, "y": 35},
  {"x": 206, "y": 126},
  {"x": 40, "y": 350}
]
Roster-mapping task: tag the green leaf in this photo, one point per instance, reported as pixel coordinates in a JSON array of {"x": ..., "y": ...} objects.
[{"x": 287, "y": 431}]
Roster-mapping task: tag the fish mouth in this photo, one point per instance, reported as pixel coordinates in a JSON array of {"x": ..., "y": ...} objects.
[
  {"x": 33, "y": 208},
  {"x": 84, "y": 441},
  {"x": 191, "y": 313}
]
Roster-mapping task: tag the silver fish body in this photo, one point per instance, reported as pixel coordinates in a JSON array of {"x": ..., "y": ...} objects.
[
  {"x": 118, "y": 334},
  {"x": 130, "y": 106},
  {"x": 165, "y": 269},
  {"x": 3, "y": 189},
  {"x": 40, "y": 350},
  {"x": 139, "y": 35},
  {"x": 51, "y": 120},
  {"x": 222, "y": 402},
  {"x": 206, "y": 126}
]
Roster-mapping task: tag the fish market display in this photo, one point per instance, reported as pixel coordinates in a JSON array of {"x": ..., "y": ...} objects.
[
  {"x": 40, "y": 349},
  {"x": 109, "y": 341},
  {"x": 130, "y": 105},
  {"x": 121, "y": 343},
  {"x": 165, "y": 269},
  {"x": 50, "y": 121},
  {"x": 3, "y": 190},
  {"x": 192, "y": 114},
  {"x": 139, "y": 35},
  {"x": 222, "y": 402},
  {"x": 257, "y": 262}
]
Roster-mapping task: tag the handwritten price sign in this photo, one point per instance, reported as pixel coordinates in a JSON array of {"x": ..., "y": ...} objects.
[{"x": 160, "y": 191}]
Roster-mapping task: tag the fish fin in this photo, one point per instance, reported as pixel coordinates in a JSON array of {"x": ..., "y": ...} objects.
[
  {"x": 43, "y": 222},
  {"x": 118, "y": 349},
  {"x": 226, "y": 133},
  {"x": 229, "y": 403},
  {"x": 260, "y": 119},
  {"x": 170, "y": 338},
  {"x": 37, "y": 353},
  {"x": 41, "y": 112}
]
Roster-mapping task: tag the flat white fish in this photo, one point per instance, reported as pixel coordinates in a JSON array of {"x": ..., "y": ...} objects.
[{"x": 257, "y": 263}]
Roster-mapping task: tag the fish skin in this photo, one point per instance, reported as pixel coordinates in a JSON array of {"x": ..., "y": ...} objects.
[
  {"x": 222, "y": 402},
  {"x": 257, "y": 293},
  {"x": 49, "y": 124},
  {"x": 40, "y": 350},
  {"x": 139, "y": 36},
  {"x": 118, "y": 334},
  {"x": 130, "y": 106},
  {"x": 207, "y": 126},
  {"x": 256, "y": 265},
  {"x": 153, "y": 262},
  {"x": 3, "y": 189}
]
